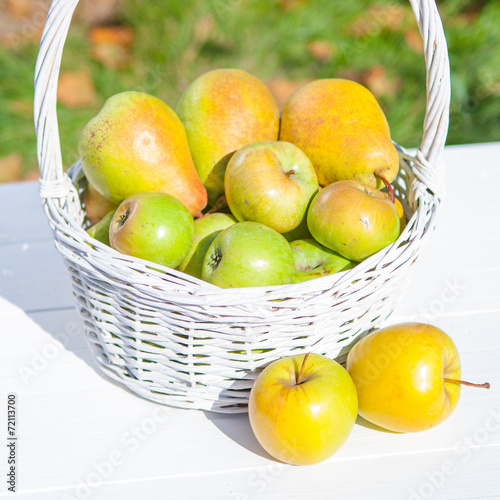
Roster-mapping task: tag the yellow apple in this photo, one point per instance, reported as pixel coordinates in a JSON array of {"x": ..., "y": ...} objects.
[
  {"x": 400, "y": 210},
  {"x": 401, "y": 213},
  {"x": 407, "y": 376},
  {"x": 302, "y": 408}
]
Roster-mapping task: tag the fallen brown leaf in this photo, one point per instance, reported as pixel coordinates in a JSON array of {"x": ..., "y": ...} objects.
[
  {"x": 76, "y": 89},
  {"x": 379, "y": 83},
  {"x": 22, "y": 107},
  {"x": 283, "y": 88},
  {"x": 11, "y": 168},
  {"x": 378, "y": 17},
  {"x": 32, "y": 175},
  {"x": 414, "y": 40},
  {"x": 118, "y": 35},
  {"x": 110, "y": 45},
  {"x": 322, "y": 50},
  {"x": 203, "y": 29},
  {"x": 350, "y": 74},
  {"x": 22, "y": 21},
  {"x": 96, "y": 12},
  {"x": 288, "y": 5},
  {"x": 19, "y": 8},
  {"x": 468, "y": 15}
]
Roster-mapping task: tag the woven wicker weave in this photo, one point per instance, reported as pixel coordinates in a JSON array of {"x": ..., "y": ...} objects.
[{"x": 177, "y": 340}]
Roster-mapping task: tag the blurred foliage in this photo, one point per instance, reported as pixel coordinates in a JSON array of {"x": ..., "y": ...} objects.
[{"x": 294, "y": 40}]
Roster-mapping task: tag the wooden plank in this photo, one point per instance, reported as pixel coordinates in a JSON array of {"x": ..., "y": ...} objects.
[
  {"x": 416, "y": 476},
  {"x": 23, "y": 220},
  {"x": 33, "y": 277}
]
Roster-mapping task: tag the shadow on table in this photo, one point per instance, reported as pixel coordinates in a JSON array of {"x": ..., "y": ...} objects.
[{"x": 237, "y": 427}]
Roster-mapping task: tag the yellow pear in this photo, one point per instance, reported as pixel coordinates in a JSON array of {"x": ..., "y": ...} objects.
[
  {"x": 222, "y": 111},
  {"x": 340, "y": 126},
  {"x": 137, "y": 143}
]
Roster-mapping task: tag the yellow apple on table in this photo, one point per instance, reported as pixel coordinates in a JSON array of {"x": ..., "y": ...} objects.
[
  {"x": 407, "y": 376},
  {"x": 302, "y": 408}
]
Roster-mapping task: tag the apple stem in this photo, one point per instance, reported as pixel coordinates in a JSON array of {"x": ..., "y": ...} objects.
[
  {"x": 486, "y": 385},
  {"x": 220, "y": 203},
  {"x": 299, "y": 378},
  {"x": 392, "y": 196}
]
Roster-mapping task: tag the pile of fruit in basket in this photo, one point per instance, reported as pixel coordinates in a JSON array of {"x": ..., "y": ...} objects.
[{"x": 234, "y": 191}]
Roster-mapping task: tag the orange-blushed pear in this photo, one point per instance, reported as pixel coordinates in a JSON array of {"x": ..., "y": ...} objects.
[{"x": 137, "y": 143}]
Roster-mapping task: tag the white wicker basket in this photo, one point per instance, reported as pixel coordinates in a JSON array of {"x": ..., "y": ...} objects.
[{"x": 177, "y": 340}]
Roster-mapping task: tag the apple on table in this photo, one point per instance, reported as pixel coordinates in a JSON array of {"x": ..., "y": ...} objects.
[
  {"x": 407, "y": 376},
  {"x": 302, "y": 408}
]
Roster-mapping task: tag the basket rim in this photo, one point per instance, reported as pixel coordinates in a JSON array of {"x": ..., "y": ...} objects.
[{"x": 191, "y": 288}]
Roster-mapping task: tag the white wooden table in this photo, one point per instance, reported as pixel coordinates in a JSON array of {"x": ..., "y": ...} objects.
[{"x": 82, "y": 436}]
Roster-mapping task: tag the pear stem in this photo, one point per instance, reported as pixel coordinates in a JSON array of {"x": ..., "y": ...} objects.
[
  {"x": 486, "y": 385},
  {"x": 299, "y": 378},
  {"x": 392, "y": 196},
  {"x": 220, "y": 203}
]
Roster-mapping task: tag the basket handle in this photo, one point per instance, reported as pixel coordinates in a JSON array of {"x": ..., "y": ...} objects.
[
  {"x": 430, "y": 167},
  {"x": 54, "y": 183}
]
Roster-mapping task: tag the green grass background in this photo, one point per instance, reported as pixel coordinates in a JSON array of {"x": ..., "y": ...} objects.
[{"x": 270, "y": 42}]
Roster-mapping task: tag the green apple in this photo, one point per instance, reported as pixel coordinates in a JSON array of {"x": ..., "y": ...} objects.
[
  {"x": 206, "y": 228},
  {"x": 100, "y": 231},
  {"x": 302, "y": 408},
  {"x": 248, "y": 254},
  {"x": 152, "y": 226},
  {"x": 353, "y": 219},
  {"x": 301, "y": 232},
  {"x": 313, "y": 260},
  {"x": 271, "y": 183}
]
